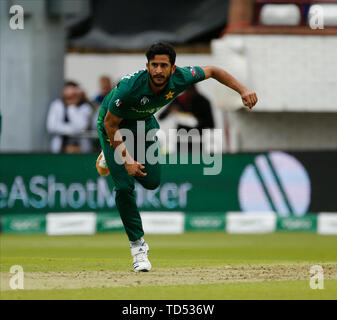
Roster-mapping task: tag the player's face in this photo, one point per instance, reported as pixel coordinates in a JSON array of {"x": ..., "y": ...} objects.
[{"x": 160, "y": 69}]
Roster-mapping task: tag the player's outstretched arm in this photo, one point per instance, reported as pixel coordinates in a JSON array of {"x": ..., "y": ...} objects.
[{"x": 249, "y": 98}]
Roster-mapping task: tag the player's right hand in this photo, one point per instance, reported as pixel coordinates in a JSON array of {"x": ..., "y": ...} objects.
[
  {"x": 135, "y": 169},
  {"x": 249, "y": 99}
]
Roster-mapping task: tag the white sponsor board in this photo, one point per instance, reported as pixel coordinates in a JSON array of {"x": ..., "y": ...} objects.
[
  {"x": 163, "y": 222},
  {"x": 327, "y": 223},
  {"x": 254, "y": 222},
  {"x": 71, "y": 223}
]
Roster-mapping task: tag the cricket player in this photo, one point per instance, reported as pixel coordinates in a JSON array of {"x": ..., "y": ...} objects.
[{"x": 136, "y": 98}]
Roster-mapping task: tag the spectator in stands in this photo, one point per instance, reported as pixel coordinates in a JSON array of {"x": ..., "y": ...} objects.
[
  {"x": 68, "y": 117},
  {"x": 106, "y": 86},
  {"x": 193, "y": 107}
]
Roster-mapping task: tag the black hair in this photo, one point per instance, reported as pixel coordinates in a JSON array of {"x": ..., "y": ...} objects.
[
  {"x": 161, "y": 48},
  {"x": 71, "y": 83}
]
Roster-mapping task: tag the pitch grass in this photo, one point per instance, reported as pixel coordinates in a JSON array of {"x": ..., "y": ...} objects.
[{"x": 109, "y": 252}]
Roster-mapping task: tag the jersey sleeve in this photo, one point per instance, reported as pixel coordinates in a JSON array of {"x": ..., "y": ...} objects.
[
  {"x": 193, "y": 74},
  {"x": 117, "y": 102}
]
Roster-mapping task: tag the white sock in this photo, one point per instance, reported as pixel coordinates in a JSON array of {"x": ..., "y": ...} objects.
[{"x": 137, "y": 243}]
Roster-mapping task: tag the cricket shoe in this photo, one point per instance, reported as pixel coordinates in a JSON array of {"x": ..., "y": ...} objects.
[
  {"x": 101, "y": 166},
  {"x": 140, "y": 258}
]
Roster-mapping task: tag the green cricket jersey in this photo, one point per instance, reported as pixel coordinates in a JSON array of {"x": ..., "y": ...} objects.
[{"x": 133, "y": 98}]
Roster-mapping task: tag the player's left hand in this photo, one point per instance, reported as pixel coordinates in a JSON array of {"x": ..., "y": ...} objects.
[{"x": 249, "y": 99}]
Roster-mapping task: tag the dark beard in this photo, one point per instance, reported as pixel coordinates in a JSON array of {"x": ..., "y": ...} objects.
[{"x": 160, "y": 85}]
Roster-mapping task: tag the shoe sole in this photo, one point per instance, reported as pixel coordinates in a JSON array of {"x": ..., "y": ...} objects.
[{"x": 143, "y": 270}]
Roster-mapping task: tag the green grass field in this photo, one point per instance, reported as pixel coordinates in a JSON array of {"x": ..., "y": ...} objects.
[{"x": 188, "y": 266}]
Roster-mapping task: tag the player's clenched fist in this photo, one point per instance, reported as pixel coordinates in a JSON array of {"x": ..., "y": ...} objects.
[
  {"x": 135, "y": 169},
  {"x": 249, "y": 98}
]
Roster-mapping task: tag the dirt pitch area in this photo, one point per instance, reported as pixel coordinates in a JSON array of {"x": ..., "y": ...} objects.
[{"x": 162, "y": 277}]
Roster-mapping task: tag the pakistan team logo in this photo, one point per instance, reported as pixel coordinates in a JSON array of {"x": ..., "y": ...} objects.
[
  {"x": 144, "y": 101},
  {"x": 275, "y": 182}
]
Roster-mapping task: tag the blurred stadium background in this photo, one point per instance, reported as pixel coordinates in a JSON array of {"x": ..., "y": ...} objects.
[{"x": 279, "y": 161}]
